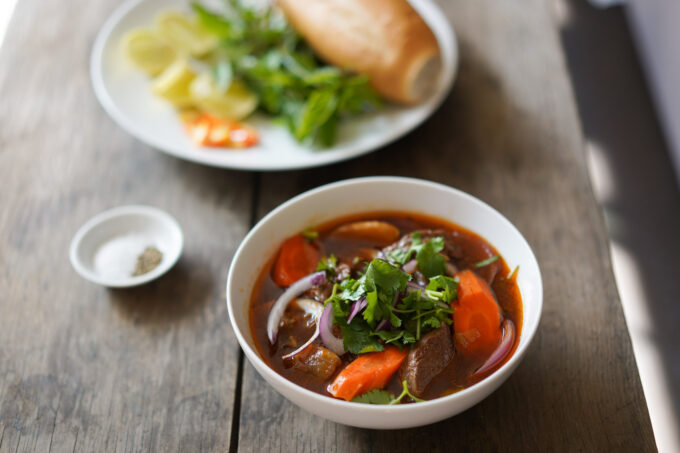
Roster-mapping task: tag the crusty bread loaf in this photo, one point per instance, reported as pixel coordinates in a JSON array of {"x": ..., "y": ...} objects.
[{"x": 385, "y": 39}]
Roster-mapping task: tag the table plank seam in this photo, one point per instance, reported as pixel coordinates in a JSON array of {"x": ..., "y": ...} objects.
[{"x": 236, "y": 411}]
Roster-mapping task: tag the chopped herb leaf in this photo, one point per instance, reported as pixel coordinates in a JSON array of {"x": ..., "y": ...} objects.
[
  {"x": 430, "y": 262},
  {"x": 514, "y": 273},
  {"x": 310, "y": 234},
  {"x": 328, "y": 264},
  {"x": 375, "y": 396},
  {"x": 405, "y": 393},
  {"x": 378, "y": 396},
  {"x": 357, "y": 338},
  {"x": 487, "y": 261},
  {"x": 446, "y": 287}
]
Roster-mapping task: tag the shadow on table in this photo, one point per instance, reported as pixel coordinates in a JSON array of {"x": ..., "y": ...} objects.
[
  {"x": 180, "y": 293},
  {"x": 642, "y": 208}
]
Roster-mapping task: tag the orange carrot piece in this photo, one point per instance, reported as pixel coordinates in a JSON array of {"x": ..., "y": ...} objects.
[
  {"x": 297, "y": 258},
  {"x": 367, "y": 372},
  {"x": 208, "y": 130},
  {"x": 476, "y": 317}
]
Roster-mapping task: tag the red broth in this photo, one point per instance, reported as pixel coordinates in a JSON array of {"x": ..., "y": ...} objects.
[{"x": 460, "y": 372}]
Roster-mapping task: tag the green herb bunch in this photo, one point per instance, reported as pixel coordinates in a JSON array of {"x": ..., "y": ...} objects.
[
  {"x": 409, "y": 311},
  {"x": 258, "y": 47}
]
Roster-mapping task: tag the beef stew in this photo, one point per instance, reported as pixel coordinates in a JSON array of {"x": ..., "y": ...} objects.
[{"x": 391, "y": 304}]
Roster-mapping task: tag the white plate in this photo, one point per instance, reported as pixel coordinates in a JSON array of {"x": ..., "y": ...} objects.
[{"x": 124, "y": 92}]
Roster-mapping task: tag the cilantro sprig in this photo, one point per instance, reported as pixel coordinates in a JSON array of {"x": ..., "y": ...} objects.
[
  {"x": 408, "y": 312},
  {"x": 378, "y": 396},
  {"x": 430, "y": 262}
]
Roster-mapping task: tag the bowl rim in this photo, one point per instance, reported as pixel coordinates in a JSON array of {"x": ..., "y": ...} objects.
[
  {"x": 485, "y": 384},
  {"x": 120, "y": 211}
]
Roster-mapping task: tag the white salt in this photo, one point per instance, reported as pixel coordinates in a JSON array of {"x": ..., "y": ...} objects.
[{"x": 116, "y": 259}]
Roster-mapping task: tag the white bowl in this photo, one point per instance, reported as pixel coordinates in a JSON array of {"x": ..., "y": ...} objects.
[
  {"x": 382, "y": 194},
  {"x": 143, "y": 225}
]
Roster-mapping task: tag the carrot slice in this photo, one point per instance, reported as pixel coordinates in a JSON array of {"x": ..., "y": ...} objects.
[
  {"x": 367, "y": 372},
  {"x": 297, "y": 258},
  {"x": 476, "y": 317}
]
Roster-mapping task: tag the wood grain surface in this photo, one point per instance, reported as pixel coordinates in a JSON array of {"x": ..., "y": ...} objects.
[{"x": 157, "y": 368}]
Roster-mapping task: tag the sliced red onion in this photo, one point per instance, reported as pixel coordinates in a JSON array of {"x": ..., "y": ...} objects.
[
  {"x": 326, "y": 327},
  {"x": 451, "y": 269},
  {"x": 410, "y": 267},
  {"x": 310, "y": 307},
  {"x": 294, "y": 290},
  {"x": 356, "y": 308},
  {"x": 503, "y": 349},
  {"x": 307, "y": 343}
]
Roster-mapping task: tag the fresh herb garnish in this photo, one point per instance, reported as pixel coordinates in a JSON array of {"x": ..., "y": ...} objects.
[
  {"x": 377, "y": 396},
  {"x": 487, "y": 261},
  {"x": 259, "y": 48},
  {"x": 310, "y": 234},
  {"x": 405, "y": 393},
  {"x": 328, "y": 264},
  {"x": 443, "y": 288},
  {"x": 430, "y": 262},
  {"x": 513, "y": 274},
  {"x": 384, "y": 285},
  {"x": 357, "y": 338}
]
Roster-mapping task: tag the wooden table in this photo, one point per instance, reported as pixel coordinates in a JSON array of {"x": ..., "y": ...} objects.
[{"x": 158, "y": 367}]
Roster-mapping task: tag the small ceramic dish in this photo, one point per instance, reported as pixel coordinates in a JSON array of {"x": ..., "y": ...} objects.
[
  {"x": 371, "y": 195},
  {"x": 105, "y": 250}
]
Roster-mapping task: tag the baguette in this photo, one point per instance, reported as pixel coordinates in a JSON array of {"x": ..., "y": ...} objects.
[{"x": 384, "y": 39}]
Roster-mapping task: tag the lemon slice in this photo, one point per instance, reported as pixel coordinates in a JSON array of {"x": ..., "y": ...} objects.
[
  {"x": 148, "y": 51},
  {"x": 173, "y": 83},
  {"x": 236, "y": 103},
  {"x": 185, "y": 35}
]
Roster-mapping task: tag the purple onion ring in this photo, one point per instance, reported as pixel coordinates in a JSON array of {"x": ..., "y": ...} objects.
[{"x": 293, "y": 291}]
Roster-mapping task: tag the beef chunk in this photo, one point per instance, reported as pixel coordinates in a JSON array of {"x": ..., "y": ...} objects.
[
  {"x": 430, "y": 355},
  {"x": 320, "y": 293},
  {"x": 318, "y": 361}
]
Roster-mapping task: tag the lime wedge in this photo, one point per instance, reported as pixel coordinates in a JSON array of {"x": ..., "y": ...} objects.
[
  {"x": 148, "y": 51},
  {"x": 173, "y": 83},
  {"x": 184, "y": 34},
  {"x": 235, "y": 103}
]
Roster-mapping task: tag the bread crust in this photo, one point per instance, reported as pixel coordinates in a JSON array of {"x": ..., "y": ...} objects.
[{"x": 385, "y": 39}]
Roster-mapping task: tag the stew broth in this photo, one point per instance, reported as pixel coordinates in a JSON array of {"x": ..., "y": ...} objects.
[{"x": 459, "y": 374}]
